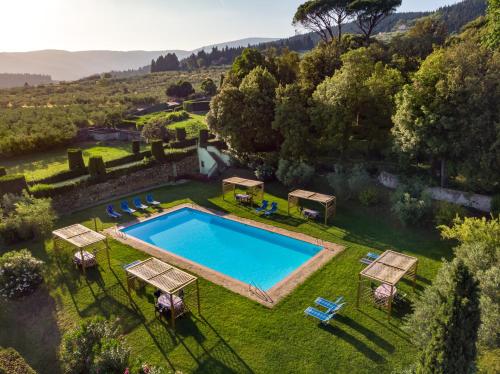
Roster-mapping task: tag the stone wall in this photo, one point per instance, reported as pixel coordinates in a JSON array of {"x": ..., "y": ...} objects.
[
  {"x": 467, "y": 199},
  {"x": 114, "y": 188}
]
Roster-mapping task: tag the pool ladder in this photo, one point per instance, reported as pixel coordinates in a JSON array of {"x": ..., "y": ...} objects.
[{"x": 259, "y": 292}]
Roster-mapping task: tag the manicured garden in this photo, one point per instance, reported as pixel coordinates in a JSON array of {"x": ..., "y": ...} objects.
[{"x": 233, "y": 334}]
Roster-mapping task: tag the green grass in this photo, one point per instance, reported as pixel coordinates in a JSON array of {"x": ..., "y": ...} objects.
[
  {"x": 41, "y": 165},
  {"x": 233, "y": 334},
  {"x": 193, "y": 125}
]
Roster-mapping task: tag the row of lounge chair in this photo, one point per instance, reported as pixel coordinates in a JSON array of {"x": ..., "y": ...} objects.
[
  {"x": 150, "y": 201},
  {"x": 263, "y": 208},
  {"x": 332, "y": 308}
]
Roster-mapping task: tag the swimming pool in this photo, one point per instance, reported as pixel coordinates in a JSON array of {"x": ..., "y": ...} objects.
[{"x": 249, "y": 254}]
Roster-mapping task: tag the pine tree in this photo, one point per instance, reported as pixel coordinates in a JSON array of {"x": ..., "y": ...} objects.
[
  {"x": 153, "y": 66},
  {"x": 454, "y": 326}
]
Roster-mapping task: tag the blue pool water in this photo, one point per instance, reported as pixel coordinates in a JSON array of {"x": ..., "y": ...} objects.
[{"x": 243, "y": 252}]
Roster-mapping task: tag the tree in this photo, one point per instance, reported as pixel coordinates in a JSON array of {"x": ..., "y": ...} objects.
[
  {"x": 246, "y": 62},
  {"x": 452, "y": 97},
  {"x": 369, "y": 13},
  {"x": 320, "y": 16},
  {"x": 493, "y": 29},
  {"x": 208, "y": 87},
  {"x": 180, "y": 89},
  {"x": 356, "y": 103},
  {"x": 287, "y": 67},
  {"x": 453, "y": 325}
]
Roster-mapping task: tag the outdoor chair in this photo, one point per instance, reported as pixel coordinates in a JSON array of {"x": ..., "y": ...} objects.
[
  {"x": 274, "y": 208},
  {"x": 150, "y": 200},
  {"x": 369, "y": 258},
  {"x": 325, "y": 318},
  {"x": 124, "y": 206},
  {"x": 331, "y": 306},
  {"x": 138, "y": 204},
  {"x": 110, "y": 211},
  {"x": 263, "y": 207}
]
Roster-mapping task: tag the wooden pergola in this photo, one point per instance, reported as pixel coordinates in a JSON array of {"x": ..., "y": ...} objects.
[
  {"x": 254, "y": 187},
  {"x": 327, "y": 201},
  {"x": 165, "y": 277},
  {"x": 388, "y": 269},
  {"x": 81, "y": 238}
]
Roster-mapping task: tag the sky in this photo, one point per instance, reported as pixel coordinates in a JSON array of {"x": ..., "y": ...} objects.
[{"x": 149, "y": 24}]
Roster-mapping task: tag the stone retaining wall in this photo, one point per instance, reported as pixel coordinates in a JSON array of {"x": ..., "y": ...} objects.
[{"x": 140, "y": 180}]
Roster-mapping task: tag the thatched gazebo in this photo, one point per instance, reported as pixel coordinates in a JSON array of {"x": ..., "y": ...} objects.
[
  {"x": 327, "y": 201},
  {"x": 387, "y": 270},
  {"x": 253, "y": 187}
]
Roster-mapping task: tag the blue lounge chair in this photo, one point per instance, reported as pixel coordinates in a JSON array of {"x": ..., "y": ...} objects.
[
  {"x": 111, "y": 212},
  {"x": 263, "y": 207},
  {"x": 369, "y": 258},
  {"x": 331, "y": 306},
  {"x": 138, "y": 204},
  {"x": 124, "y": 206},
  {"x": 325, "y": 318},
  {"x": 150, "y": 200},
  {"x": 274, "y": 208}
]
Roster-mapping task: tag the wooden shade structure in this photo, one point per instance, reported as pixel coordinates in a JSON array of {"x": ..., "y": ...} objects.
[
  {"x": 81, "y": 238},
  {"x": 163, "y": 276},
  {"x": 254, "y": 187},
  {"x": 328, "y": 201},
  {"x": 389, "y": 268}
]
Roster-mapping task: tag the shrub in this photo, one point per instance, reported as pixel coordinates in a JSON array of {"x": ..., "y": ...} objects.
[
  {"x": 20, "y": 274},
  {"x": 75, "y": 159},
  {"x": 13, "y": 183},
  {"x": 495, "y": 205},
  {"x": 12, "y": 362},
  {"x": 358, "y": 179},
  {"x": 294, "y": 174},
  {"x": 180, "y": 89},
  {"x": 3, "y": 171},
  {"x": 369, "y": 196},
  {"x": 180, "y": 134},
  {"x": 94, "y": 347},
  {"x": 97, "y": 169},
  {"x": 208, "y": 87},
  {"x": 348, "y": 184},
  {"x": 411, "y": 210},
  {"x": 446, "y": 213},
  {"x": 203, "y": 136},
  {"x": 136, "y": 147},
  {"x": 154, "y": 130},
  {"x": 264, "y": 172},
  {"x": 157, "y": 150}
]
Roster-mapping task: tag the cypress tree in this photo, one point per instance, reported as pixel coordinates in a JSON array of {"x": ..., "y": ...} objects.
[
  {"x": 153, "y": 66},
  {"x": 454, "y": 326},
  {"x": 75, "y": 159}
]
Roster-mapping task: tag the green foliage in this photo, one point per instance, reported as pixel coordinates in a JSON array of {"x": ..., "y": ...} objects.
[
  {"x": 447, "y": 212},
  {"x": 3, "y": 171},
  {"x": 180, "y": 134},
  {"x": 180, "y": 89},
  {"x": 136, "y": 147},
  {"x": 369, "y": 13},
  {"x": 157, "y": 150},
  {"x": 203, "y": 137},
  {"x": 350, "y": 183},
  {"x": 495, "y": 205},
  {"x": 453, "y": 325},
  {"x": 492, "y": 38},
  {"x": 165, "y": 118},
  {"x": 12, "y": 183},
  {"x": 208, "y": 87},
  {"x": 369, "y": 196},
  {"x": 294, "y": 173},
  {"x": 97, "y": 169},
  {"x": 165, "y": 63},
  {"x": 75, "y": 160},
  {"x": 20, "y": 274},
  {"x": 196, "y": 106},
  {"x": 154, "y": 130},
  {"x": 249, "y": 59},
  {"x": 94, "y": 347},
  {"x": 12, "y": 362},
  {"x": 264, "y": 172},
  {"x": 411, "y": 204}
]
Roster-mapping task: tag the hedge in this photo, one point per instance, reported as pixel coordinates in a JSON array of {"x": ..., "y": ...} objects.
[
  {"x": 12, "y": 362},
  {"x": 61, "y": 176},
  {"x": 203, "y": 137},
  {"x": 96, "y": 167},
  {"x": 3, "y": 171},
  {"x": 196, "y": 106},
  {"x": 184, "y": 144},
  {"x": 75, "y": 159},
  {"x": 136, "y": 147},
  {"x": 157, "y": 150},
  {"x": 180, "y": 134},
  {"x": 12, "y": 183}
]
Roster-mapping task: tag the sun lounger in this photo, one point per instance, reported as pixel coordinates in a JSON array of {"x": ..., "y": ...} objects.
[
  {"x": 124, "y": 206},
  {"x": 331, "y": 306},
  {"x": 138, "y": 204},
  {"x": 150, "y": 200},
  {"x": 274, "y": 208},
  {"x": 110, "y": 211},
  {"x": 263, "y": 207},
  {"x": 369, "y": 258},
  {"x": 318, "y": 314}
]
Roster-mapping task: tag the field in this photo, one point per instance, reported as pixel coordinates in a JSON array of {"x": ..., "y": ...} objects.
[
  {"x": 41, "y": 165},
  {"x": 233, "y": 334}
]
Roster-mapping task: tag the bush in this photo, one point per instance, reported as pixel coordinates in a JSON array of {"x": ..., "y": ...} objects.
[
  {"x": 264, "y": 172},
  {"x": 136, "y": 147},
  {"x": 349, "y": 184},
  {"x": 3, "y": 171},
  {"x": 154, "y": 130},
  {"x": 358, "y": 179},
  {"x": 294, "y": 174},
  {"x": 184, "y": 144},
  {"x": 94, "y": 347},
  {"x": 20, "y": 274},
  {"x": 180, "y": 134},
  {"x": 495, "y": 205},
  {"x": 196, "y": 106},
  {"x": 180, "y": 89},
  {"x": 75, "y": 159},
  {"x": 411, "y": 210},
  {"x": 369, "y": 196},
  {"x": 338, "y": 181},
  {"x": 157, "y": 150},
  {"x": 97, "y": 169},
  {"x": 13, "y": 183},
  {"x": 12, "y": 362},
  {"x": 446, "y": 213}
]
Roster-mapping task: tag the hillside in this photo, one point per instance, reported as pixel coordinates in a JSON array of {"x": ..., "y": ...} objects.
[{"x": 17, "y": 80}]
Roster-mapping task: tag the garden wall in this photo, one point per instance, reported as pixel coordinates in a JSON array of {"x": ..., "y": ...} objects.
[
  {"x": 467, "y": 199},
  {"x": 142, "y": 179}
]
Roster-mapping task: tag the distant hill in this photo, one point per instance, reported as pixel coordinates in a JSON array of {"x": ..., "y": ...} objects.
[
  {"x": 18, "y": 80},
  {"x": 236, "y": 44}
]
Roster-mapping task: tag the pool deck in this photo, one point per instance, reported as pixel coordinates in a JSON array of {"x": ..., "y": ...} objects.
[{"x": 267, "y": 298}]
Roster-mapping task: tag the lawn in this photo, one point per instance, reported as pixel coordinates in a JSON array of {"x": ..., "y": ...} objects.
[
  {"x": 233, "y": 334},
  {"x": 41, "y": 165},
  {"x": 193, "y": 124}
]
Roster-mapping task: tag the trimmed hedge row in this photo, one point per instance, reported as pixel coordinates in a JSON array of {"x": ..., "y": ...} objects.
[
  {"x": 60, "y": 176},
  {"x": 196, "y": 106},
  {"x": 12, "y": 183},
  {"x": 75, "y": 159},
  {"x": 184, "y": 144}
]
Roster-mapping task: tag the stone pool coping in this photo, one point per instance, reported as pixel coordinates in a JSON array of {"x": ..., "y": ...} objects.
[{"x": 267, "y": 298}]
